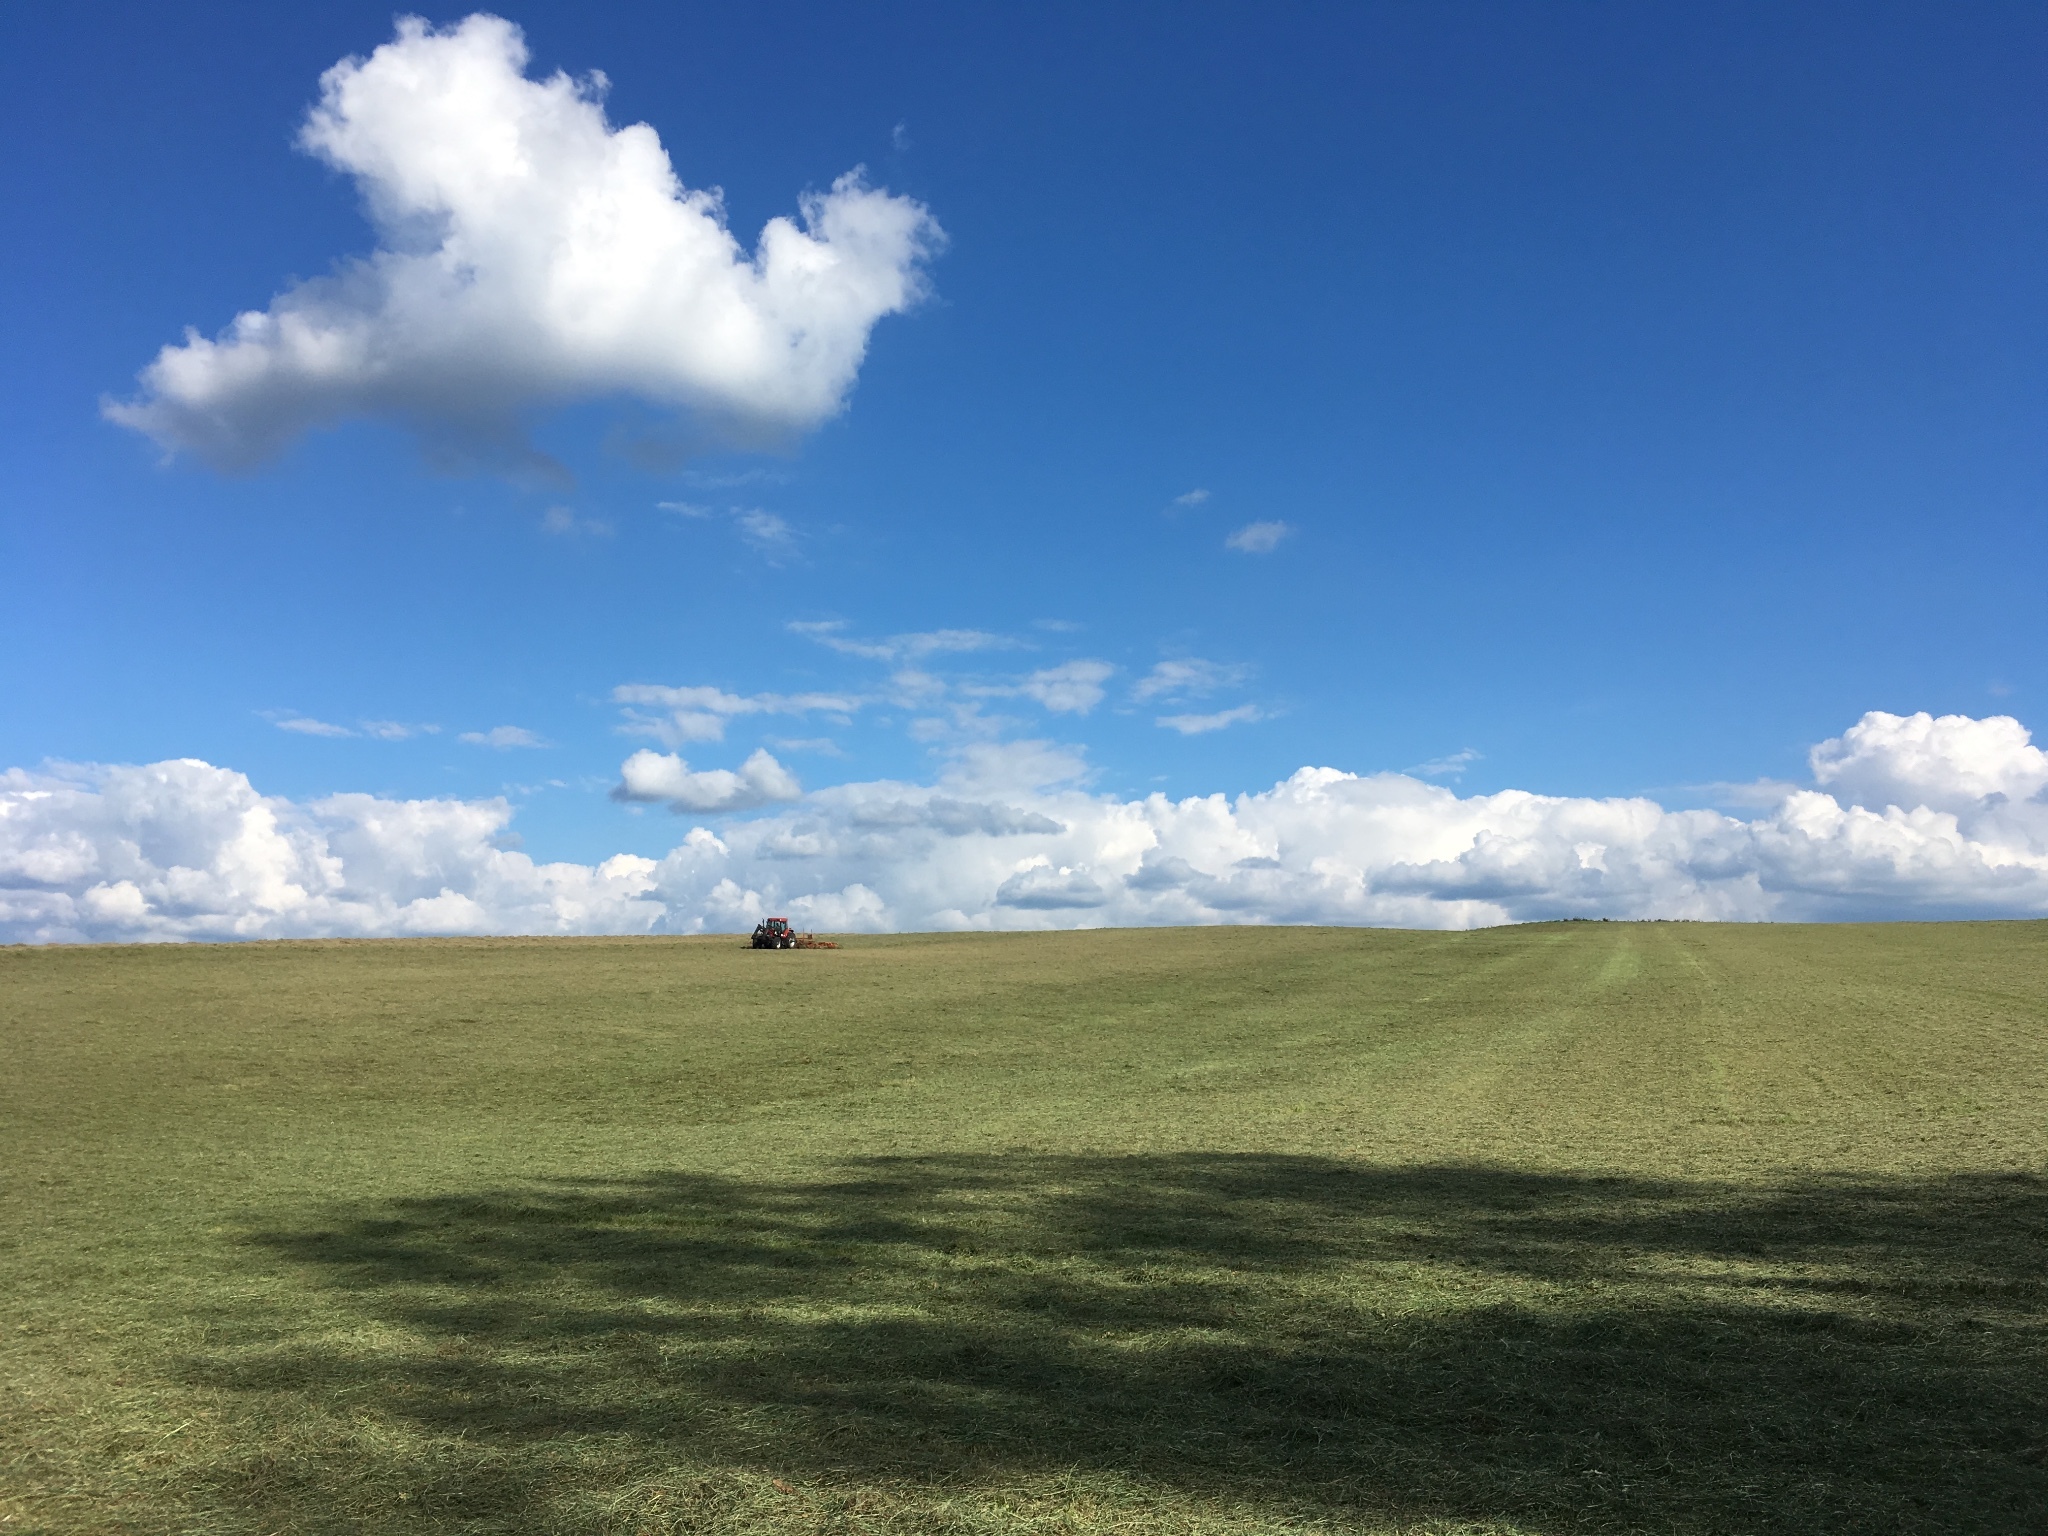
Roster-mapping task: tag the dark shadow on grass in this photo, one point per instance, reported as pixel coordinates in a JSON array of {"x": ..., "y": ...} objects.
[{"x": 1300, "y": 1336}]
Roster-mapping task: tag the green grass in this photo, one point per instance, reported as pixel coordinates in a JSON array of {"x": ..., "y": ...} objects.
[{"x": 1579, "y": 1227}]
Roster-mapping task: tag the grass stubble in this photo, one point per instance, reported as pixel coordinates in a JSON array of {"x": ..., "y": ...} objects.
[{"x": 1572, "y": 1227}]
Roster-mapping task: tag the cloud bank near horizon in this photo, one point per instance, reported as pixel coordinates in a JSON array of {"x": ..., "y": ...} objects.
[
  {"x": 529, "y": 253},
  {"x": 1917, "y": 817}
]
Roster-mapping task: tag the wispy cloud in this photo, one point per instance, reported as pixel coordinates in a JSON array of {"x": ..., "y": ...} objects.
[
  {"x": 769, "y": 533},
  {"x": 701, "y": 713},
  {"x": 823, "y": 746},
  {"x": 1198, "y": 725},
  {"x": 503, "y": 737},
  {"x": 1187, "y": 677},
  {"x": 376, "y": 730},
  {"x": 909, "y": 647},
  {"x": 1448, "y": 767},
  {"x": 1259, "y": 538},
  {"x": 1752, "y": 794},
  {"x": 732, "y": 479},
  {"x": 305, "y": 725},
  {"x": 564, "y": 521}
]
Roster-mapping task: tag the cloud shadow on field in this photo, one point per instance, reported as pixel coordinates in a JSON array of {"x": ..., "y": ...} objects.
[{"x": 1223, "y": 1339}]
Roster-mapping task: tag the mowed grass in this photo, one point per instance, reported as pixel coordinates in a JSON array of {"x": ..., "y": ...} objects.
[{"x": 1578, "y": 1227}]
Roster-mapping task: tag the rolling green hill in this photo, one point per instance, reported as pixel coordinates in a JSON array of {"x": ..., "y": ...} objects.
[{"x": 1573, "y": 1227}]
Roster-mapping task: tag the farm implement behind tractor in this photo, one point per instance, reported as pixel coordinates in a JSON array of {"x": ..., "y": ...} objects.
[{"x": 775, "y": 933}]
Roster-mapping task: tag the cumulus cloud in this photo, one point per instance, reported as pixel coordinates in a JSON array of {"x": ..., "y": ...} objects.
[
  {"x": 503, "y": 737},
  {"x": 185, "y": 850},
  {"x": 1259, "y": 538},
  {"x": 1010, "y": 836},
  {"x": 1039, "y": 887},
  {"x": 531, "y": 253},
  {"x": 1222, "y": 719},
  {"x": 1952, "y": 763},
  {"x": 662, "y": 776}
]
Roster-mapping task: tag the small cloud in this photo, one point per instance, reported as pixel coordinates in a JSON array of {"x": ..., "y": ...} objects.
[
  {"x": 503, "y": 737},
  {"x": 649, "y": 776},
  {"x": 1450, "y": 767},
  {"x": 1058, "y": 626},
  {"x": 1072, "y": 688},
  {"x": 1258, "y": 538},
  {"x": 563, "y": 521},
  {"x": 1998, "y": 690},
  {"x": 1187, "y": 676},
  {"x": 1197, "y": 725},
  {"x": 899, "y": 137},
  {"x": 824, "y": 746},
  {"x": 305, "y": 726},
  {"x": 397, "y": 730},
  {"x": 1192, "y": 498},
  {"x": 914, "y": 688},
  {"x": 683, "y": 508},
  {"x": 764, "y": 530}
]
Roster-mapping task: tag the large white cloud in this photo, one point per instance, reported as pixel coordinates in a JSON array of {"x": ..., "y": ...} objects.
[
  {"x": 184, "y": 850},
  {"x": 1953, "y": 763},
  {"x": 1010, "y": 837},
  {"x": 529, "y": 252}
]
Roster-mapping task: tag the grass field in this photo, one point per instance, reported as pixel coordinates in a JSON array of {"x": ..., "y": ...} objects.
[{"x": 1577, "y": 1227}]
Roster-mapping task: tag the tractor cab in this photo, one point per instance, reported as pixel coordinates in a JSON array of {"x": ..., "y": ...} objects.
[{"x": 774, "y": 933}]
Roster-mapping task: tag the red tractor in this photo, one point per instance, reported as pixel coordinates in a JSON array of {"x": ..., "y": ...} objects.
[{"x": 775, "y": 933}]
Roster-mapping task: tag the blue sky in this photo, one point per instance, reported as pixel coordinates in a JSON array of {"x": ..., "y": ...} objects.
[{"x": 1646, "y": 392}]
